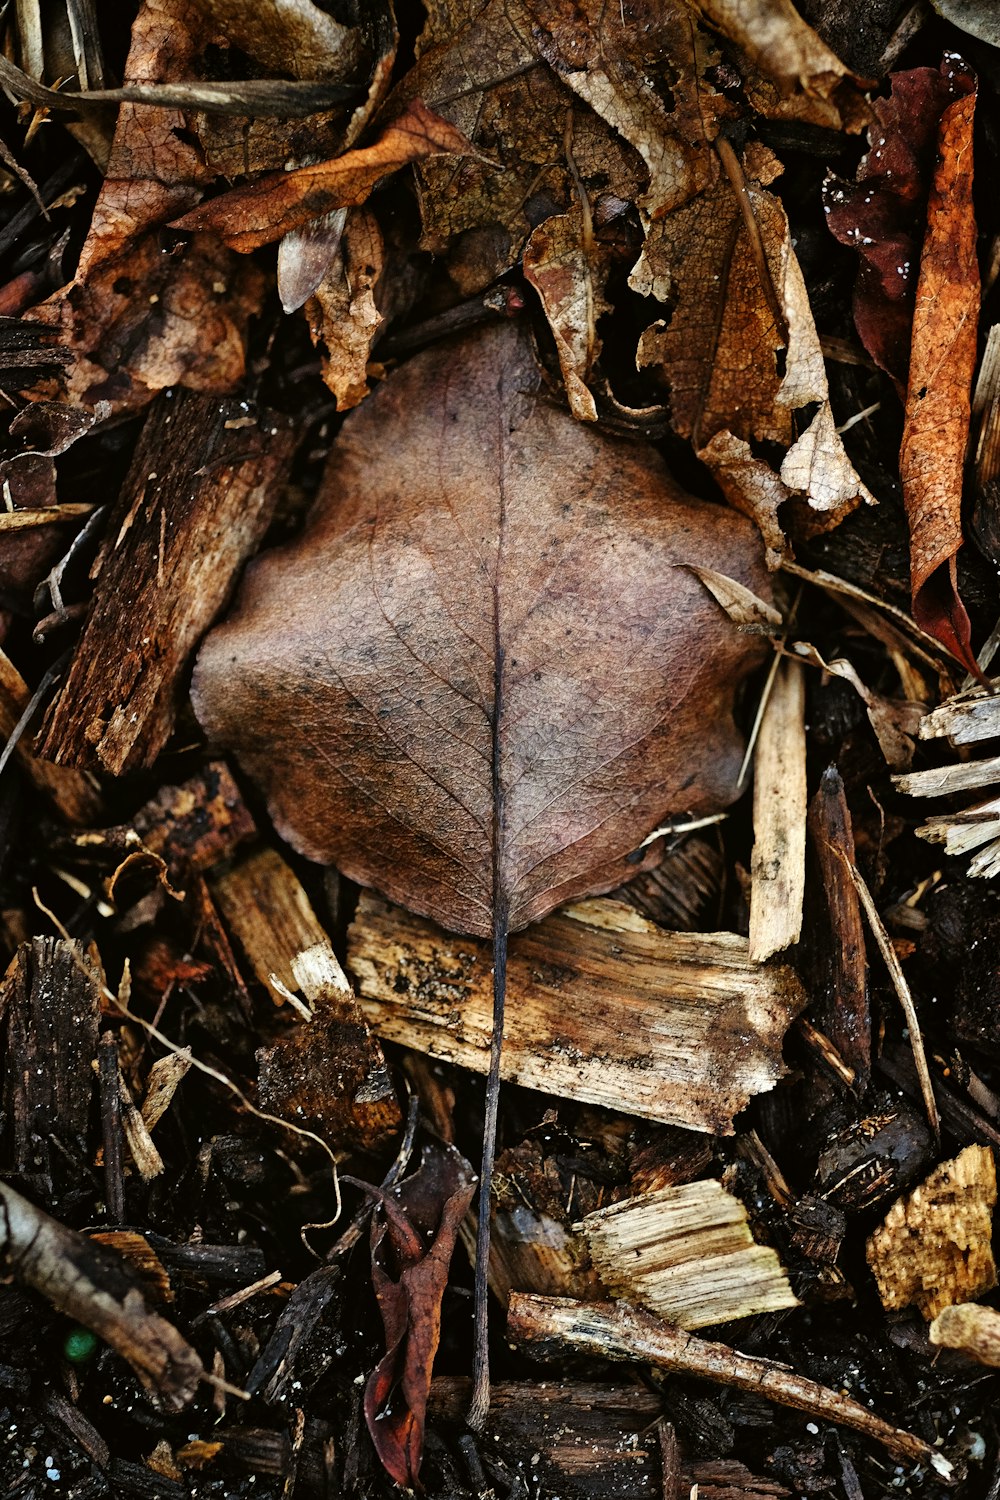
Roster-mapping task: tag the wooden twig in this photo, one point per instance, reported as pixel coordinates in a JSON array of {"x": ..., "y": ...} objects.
[
  {"x": 551, "y": 1325},
  {"x": 902, "y": 989},
  {"x": 91, "y": 1284}
]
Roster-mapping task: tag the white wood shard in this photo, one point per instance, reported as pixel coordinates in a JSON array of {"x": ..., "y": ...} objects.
[
  {"x": 778, "y": 863},
  {"x": 687, "y": 1254}
]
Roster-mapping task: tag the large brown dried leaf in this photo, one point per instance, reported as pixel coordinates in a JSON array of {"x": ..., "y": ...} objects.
[
  {"x": 480, "y": 677},
  {"x": 942, "y": 361},
  {"x": 249, "y": 217},
  {"x": 413, "y": 1237},
  {"x": 136, "y": 318}
]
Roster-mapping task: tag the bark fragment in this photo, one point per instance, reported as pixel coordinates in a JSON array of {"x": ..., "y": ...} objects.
[{"x": 198, "y": 498}]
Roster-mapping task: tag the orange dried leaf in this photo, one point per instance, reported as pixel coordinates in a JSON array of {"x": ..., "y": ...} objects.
[
  {"x": 135, "y": 318},
  {"x": 942, "y": 362},
  {"x": 249, "y": 217}
]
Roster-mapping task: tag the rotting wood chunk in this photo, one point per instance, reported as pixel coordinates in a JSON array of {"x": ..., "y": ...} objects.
[
  {"x": 328, "y": 1071},
  {"x": 605, "y": 1007},
  {"x": 688, "y": 1254},
  {"x": 933, "y": 1248}
]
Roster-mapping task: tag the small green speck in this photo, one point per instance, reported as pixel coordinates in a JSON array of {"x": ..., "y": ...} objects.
[{"x": 79, "y": 1346}]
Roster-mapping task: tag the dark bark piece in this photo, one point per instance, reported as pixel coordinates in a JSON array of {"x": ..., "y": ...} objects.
[
  {"x": 198, "y": 824},
  {"x": 72, "y": 793},
  {"x": 198, "y": 499},
  {"x": 846, "y": 1018},
  {"x": 510, "y": 678},
  {"x": 587, "y": 1440},
  {"x": 52, "y": 993},
  {"x": 681, "y": 891},
  {"x": 108, "y": 1075}
]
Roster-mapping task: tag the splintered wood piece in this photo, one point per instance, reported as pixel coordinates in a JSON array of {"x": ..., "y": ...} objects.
[
  {"x": 934, "y": 1246},
  {"x": 942, "y": 781},
  {"x": 72, "y": 793},
  {"x": 973, "y": 1329},
  {"x": 328, "y": 1072},
  {"x": 550, "y": 1327},
  {"x": 267, "y": 910},
  {"x": 605, "y": 1008},
  {"x": 52, "y": 992},
  {"x": 965, "y": 719},
  {"x": 92, "y": 1285},
  {"x": 686, "y": 1253},
  {"x": 845, "y": 1010},
  {"x": 196, "y": 503},
  {"x": 778, "y": 863}
]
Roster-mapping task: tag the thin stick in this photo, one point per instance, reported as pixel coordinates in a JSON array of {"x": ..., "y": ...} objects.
[
  {"x": 902, "y": 989},
  {"x": 616, "y": 1331},
  {"x": 480, "y": 1404}
]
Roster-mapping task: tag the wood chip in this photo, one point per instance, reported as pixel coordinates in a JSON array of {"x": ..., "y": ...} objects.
[
  {"x": 72, "y": 793},
  {"x": 845, "y": 1011},
  {"x": 960, "y": 776},
  {"x": 973, "y": 1329},
  {"x": 778, "y": 864},
  {"x": 266, "y": 909},
  {"x": 686, "y": 1253},
  {"x": 52, "y": 993},
  {"x": 328, "y": 1072},
  {"x": 604, "y": 1007},
  {"x": 933, "y": 1247},
  {"x": 964, "y": 719}
]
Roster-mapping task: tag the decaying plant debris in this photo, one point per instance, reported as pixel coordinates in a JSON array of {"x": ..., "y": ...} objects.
[{"x": 565, "y": 437}]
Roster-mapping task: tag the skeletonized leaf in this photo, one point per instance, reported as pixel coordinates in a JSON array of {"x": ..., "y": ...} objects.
[{"x": 479, "y": 678}]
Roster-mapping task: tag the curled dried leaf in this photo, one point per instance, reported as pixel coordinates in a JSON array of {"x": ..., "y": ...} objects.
[{"x": 248, "y": 217}]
